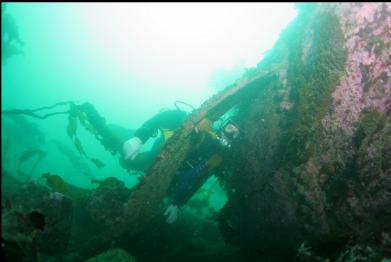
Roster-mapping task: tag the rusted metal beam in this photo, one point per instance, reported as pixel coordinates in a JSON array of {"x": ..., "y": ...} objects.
[{"x": 145, "y": 200}]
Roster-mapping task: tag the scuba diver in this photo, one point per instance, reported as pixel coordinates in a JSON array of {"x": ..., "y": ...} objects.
[
  {"x": 167, "y": 122},
  {"x": 204, "y": 159}
]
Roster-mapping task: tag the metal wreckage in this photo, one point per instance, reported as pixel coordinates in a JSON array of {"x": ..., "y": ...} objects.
[{"x": 314, "y": 161}]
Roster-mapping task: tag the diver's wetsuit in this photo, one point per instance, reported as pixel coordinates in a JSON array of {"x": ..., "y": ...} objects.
[
  {"x": 204, "y": 157},
  {"x": 201, "y": 163},
  {"x": 165, "y": 120}
]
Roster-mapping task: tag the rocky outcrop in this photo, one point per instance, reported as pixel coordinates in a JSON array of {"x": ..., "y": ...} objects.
[
  {"x": 105, "y": 204},
  {"x": 57, "y": 210}
]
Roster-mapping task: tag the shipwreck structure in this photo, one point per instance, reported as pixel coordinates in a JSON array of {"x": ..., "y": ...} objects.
[{"x": 315, "y": 160}]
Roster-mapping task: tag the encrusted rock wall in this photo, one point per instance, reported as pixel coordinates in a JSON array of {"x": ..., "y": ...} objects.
[{"x": 315, "y": 160}]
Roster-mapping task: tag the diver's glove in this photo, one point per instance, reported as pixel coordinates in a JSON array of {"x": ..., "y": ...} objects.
[
  {"x": 131, "y": 147},
  {"x": 171, "y": 213}
]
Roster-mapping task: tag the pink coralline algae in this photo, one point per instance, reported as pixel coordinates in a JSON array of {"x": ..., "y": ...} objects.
[
  {"x": 366, "y": 13},
  {"x": 367, "y": 81}
]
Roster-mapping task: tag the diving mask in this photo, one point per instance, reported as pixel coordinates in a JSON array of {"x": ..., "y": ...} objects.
[{"x": 230, "y": 132}]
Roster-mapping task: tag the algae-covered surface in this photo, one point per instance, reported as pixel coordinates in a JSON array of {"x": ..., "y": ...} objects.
[{"x": 307, "y": 179}]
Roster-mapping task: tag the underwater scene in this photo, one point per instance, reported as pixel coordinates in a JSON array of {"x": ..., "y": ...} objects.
[{"x": 159, "y": 132}]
